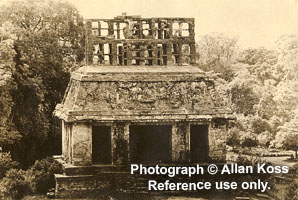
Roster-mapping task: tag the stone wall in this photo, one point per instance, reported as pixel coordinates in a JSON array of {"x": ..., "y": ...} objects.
[
  {"x": 111, "y": 182},
  {"x": 67, "y": 141},
  {"x": 81, "y": 144},
  {"x": 129, "y": 93},
  {"x": 120, "y": 143},
  {"x": 180, "y": 142},
  {"x": 77, "y": 142},
  {"x": 75, "y": 186},
  {"x": 153, "y": 41},
  {"x": 137, "y": 97},
  {"x": 217, "y": 141},
  {"x": 102, "y": 183}
]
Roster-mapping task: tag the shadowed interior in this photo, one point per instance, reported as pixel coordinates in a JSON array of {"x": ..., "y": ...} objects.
[
  {"x": 199, "y": 148},
  {"x": 101, "y": 144},
  {"x": 150, "y": 143}
]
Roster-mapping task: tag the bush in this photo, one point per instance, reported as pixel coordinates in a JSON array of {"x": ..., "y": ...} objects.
[
  {"x": 233, "y": 138},
  {"x": 41, "y": 175},
  {"x": 252, "y": 177},
  {"x": 14, "y": 185},
  {"x": 248, "y": 140},
  {"x": 292, "y": 191},
  {"x": 249, "y": 160},
  {"x": 265, "y": 138},
  {"x": 294, "y": 169},
  {"x": 6, "y": 163},
  {"x": 260, "y": 125}
]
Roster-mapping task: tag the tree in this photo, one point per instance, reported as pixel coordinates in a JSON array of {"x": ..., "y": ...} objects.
[
  {"x": 216, "y": 52},
  {"x": 287, "y": 137},
  {"x": 8, "y": 133},
  {"x": 260, "y": 62},
  {"x": 248, "y": 139},
  {"x": 279, "y": 99},
  {"x": 291, "y": 142},
  {"x": 14, "y": 185},
  {"x": 48, "y": 43},
  {"x": 6, "y": 163},
  {"x": 244, "y": 91}
]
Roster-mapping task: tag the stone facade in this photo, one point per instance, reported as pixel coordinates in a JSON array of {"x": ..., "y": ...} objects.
[
  {"x": 180, "y": 142},
  {"x": 178, "y": 100},
  {"x": 155, "y": 108},
  {"x": 120, "y": 146},
  {"x": 132, "y": 40},
  {"x": 217, "y": 142},
  {"x": 177, "y": 97}
]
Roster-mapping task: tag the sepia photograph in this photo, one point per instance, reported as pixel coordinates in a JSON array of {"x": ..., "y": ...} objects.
[{"x": 149, "y": 99}]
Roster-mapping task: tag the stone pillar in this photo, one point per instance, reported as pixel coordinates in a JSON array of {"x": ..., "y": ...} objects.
[
  {"x": 180, "y": 29},
  {"x": 110, "y": 28},
  {"x": 66, "y": 140},
  {"x": 153, "y": 29},
  {"x": 217, "y": 142},
  {"x": 180, "y": 142},
  {"x": 179, "y": 51},
  {"x": 113, "y": 53},
  {"x": 120, "y": 143},
  {"x": 89, "y": 44},
  {"x": 170, "y": 29},
  {"x": 140, "y": 36},
  {"x": 169, "y": 54},
  {"x": 142, "y": 55},
  {"x": 191, "y": 28},
  {"x": 129, "y": 54},
  {"x": 192, "y": 53},
  {"x": 154, "y": 54},
  {"x": 81, "y": 144},
  {"x": 159, "y": 31},
  {"x": 118, "y": 30}
]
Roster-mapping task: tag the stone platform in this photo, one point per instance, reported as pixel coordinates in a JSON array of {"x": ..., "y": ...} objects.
[
  {"x": 114, "y": 116},
  {"x": 82, "y": 181}
]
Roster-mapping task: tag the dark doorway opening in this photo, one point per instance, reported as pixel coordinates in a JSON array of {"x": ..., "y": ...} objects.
[
  {"x": 101, "y": 144},
  {"x": 150, "y": 143},
  {"x": 199, "y": 147}
]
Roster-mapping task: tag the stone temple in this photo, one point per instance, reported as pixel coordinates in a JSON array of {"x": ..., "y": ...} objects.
[{"x": 139, "y": 99}]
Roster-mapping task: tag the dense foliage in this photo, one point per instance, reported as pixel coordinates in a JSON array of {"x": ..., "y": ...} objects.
[
  {"x": 43, "y": 42},
  {"x": 14, "y": 185},
  {"x": 6, "y": 163},
  {"x": 41, "y": 175},
  {"x": 38, "y": 179},
  {"x": 261, "y": 86}
]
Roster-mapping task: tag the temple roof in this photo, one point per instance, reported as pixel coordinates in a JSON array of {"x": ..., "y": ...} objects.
[
  {"x": 140, "y": 69},
  {"x": 141, "y": 93},
  {"x": 136, "y": 72}
]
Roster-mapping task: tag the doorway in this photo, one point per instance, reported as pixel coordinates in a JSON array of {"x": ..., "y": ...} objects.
[
  {"x": 150, "y": 143},
  {"x": 101, "y": 144},
  {"x": 199, "y": 145}
]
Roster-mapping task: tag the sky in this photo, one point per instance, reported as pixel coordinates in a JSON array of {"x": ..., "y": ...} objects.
[{"x": 255, "y": 22}]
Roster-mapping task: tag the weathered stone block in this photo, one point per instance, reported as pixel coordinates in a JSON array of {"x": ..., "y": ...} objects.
[
  {"x": 120, "y": 143},
  {"x": 81, "y": 144},
  {"x": 66, "y": 141},
  {"x": 180, "y": 142},
  {"x": 217, "y": 142}
]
